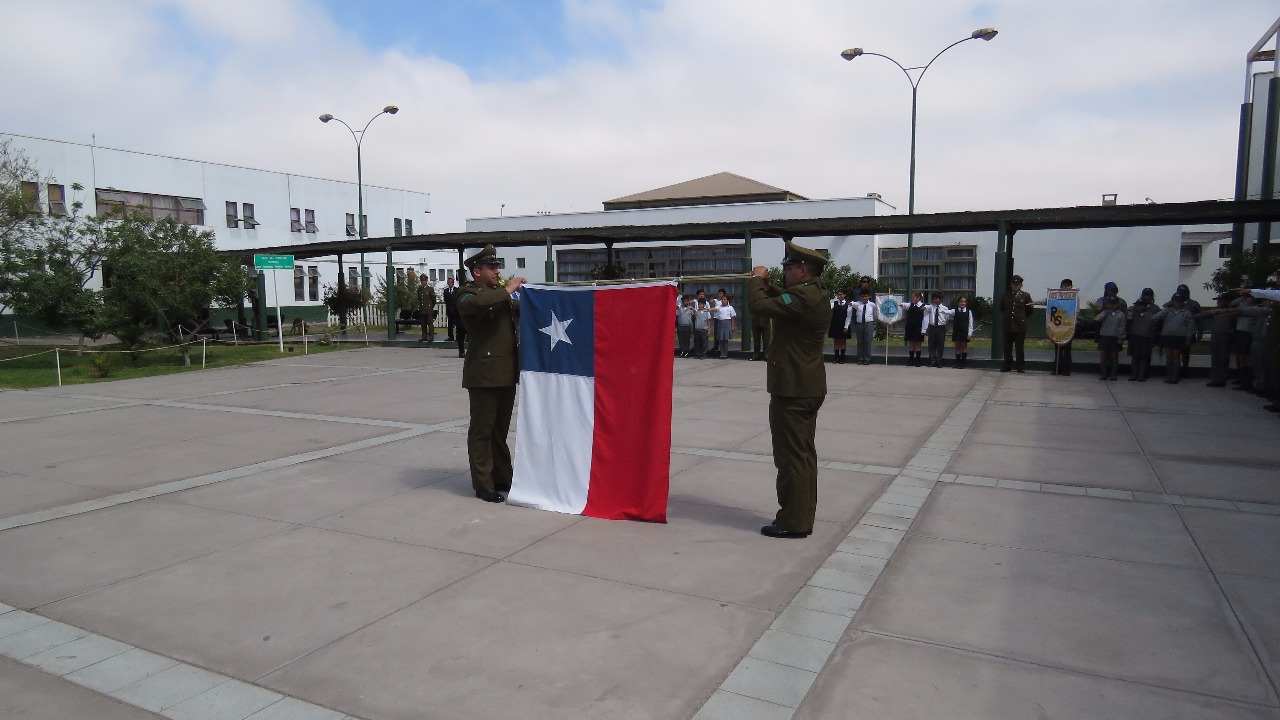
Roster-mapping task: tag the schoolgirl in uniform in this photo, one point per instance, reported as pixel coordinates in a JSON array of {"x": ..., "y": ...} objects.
[
  {"x": 962, "y": 330},
  {"x": 914, "y": 330},
  {"x": 839, "y": 328}
]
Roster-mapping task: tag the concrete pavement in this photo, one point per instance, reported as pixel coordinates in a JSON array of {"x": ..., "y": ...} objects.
[{"x": 298, "y": 539}]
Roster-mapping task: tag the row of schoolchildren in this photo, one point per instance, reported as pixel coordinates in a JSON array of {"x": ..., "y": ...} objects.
[
  {"x": 857, "y": 318},
  {"x": 700, "y": 319},
  {"x": 1237, "y": 327}
]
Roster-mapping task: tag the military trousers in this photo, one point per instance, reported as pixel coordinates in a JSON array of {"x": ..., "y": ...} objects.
[
  {"x": 487, "y": 450},
  {"x": 760, "y": 340},
  {"x": 1013, "y": 344},
  {"x": 793, "y": 423}
]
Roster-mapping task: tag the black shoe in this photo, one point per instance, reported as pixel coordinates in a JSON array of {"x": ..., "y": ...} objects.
[
  {"x": 774, "y": 531},
  {"x": 492, "y": 496},
  {"x": 1216, "y": 383},
  {"x": 1005, "y": 369},
  {"x": 1020, "y": 372},
  {"x": 1133, "y": 378}
]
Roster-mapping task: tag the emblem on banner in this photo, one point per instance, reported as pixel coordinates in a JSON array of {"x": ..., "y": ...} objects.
[
  {"x": 1060, "y": 310},
  {"x": 890, "y": 308}
]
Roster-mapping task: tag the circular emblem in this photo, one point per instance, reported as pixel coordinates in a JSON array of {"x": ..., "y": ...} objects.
[{"x": 889, "y": 307}]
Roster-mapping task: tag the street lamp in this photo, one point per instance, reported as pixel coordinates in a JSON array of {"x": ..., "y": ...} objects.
[
  {"x": 358, "y": 136},
  {"x": 851, "y": 53}
]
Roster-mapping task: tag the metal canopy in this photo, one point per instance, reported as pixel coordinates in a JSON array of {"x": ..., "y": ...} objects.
[{"x": 1204, "y": 212}]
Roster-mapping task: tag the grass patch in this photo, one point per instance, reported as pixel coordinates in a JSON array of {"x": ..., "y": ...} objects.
[{"x": 32, "y": 366}]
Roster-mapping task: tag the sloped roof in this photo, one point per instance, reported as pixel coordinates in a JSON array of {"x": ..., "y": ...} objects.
[{"x": 721, "y": 188}]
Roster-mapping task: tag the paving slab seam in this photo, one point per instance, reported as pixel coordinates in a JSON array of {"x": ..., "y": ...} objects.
[
  {"x": 776, "y": 674},
  {"x": 143, "y": 679},
  {"x": 343, "y": 419},
  {"x": 1066, "y": 669},
  {"x": 1114, "y": 494},
  {"x": 174, "y": 486},
  {"x": 768, "y": 460},
  {"x": 79, "y": 411}
]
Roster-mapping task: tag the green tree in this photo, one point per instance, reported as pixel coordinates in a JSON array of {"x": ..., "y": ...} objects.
[
  {"x": 19, "y": 215},
  {"x": 47, "y": 261},
  {"x": 165, "y": 272},
  {"x": 52, "y": 267},
  {"x": 1248, "y": 269}
]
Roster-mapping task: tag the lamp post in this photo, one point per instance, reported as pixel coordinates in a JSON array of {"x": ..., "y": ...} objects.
[
  {"x": 851, "y": 53},
  {"x": 358, "y": 136}
]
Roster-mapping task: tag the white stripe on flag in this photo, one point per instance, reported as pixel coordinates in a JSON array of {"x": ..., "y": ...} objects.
[{"x": 554, "y": 434}]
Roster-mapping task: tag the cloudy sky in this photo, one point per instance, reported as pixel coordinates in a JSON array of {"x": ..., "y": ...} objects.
[{"x": 558, "y": 105}]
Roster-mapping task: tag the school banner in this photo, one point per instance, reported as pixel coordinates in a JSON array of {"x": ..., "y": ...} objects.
[
  {"x": 1060, "y": 309},
  {"x": 890, "y": 307}
]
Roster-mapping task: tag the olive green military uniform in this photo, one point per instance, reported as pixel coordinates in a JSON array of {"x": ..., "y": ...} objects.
[
  {"x": 427, "y": 311},
  {"x": 1014, "y": 312},
  {"x": 489, "y": 373},
  {"x": 797, "y": 385}
]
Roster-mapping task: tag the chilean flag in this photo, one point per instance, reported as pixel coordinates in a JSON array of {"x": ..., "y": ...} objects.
[{"x": 593, "y": 432}]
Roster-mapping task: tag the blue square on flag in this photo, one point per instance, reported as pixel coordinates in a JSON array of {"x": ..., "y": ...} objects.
[{"x": 557, "y": 331}]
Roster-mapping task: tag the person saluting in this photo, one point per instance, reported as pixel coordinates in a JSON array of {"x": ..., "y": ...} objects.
[{"x": 797, "y": 382}]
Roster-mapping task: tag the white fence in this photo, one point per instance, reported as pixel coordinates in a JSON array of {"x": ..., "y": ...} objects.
[{"x": 376, "y": 315}]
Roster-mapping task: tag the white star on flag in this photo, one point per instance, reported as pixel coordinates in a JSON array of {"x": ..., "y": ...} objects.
[{"x": 556, "y": 330}]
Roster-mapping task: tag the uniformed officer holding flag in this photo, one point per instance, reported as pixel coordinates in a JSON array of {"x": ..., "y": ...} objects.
[
  {"x": 490, "y": 371},
  {"x": 797, "y": 382}
]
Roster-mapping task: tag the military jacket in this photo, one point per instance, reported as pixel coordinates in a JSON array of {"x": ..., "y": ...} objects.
[
  {"x": 801, "y": 313},
  {"x": 489, "y": 316},
  {"x": 427, "y": 301},
  {"x": 1014, "y": 311}
]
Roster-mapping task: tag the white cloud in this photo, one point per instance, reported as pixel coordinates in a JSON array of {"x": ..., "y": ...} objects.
[{"x": 1071, "y": 100}]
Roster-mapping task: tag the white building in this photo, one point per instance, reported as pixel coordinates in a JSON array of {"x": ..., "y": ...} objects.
[
  {"x": 952, "y": 263},
  {"x": 244, "y": 208}
]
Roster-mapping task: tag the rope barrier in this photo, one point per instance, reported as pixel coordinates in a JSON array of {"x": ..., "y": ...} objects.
[{"x": 23, "y": 357}]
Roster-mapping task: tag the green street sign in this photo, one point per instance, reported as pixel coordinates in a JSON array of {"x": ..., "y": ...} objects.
[{"x": 273, "y": 262}]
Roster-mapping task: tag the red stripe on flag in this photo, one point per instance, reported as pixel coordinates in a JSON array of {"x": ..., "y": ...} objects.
[{"x": 631, "y": 447}]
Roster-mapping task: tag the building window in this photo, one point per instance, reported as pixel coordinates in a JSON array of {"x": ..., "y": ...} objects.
[
  {"x": 408, "y": 226},
  {"x": 400, "y": 274},
  {"x": 351, "y": 224},
  {"x": 1190, "y": 254},
  {"x": 233, "y": 214},
  {"x": 398, "y": 228},
  {"x": 299, "y": 288},
  {"x": 1224, "y": 250},
  {"x": 368, "y": 277},
  {"x": 57, "y": 199},
  {"x": 520, "y": 262},
  {"x": 295, "y": 220},
  {"x": 249, "y": 222},
  {"x": 311, "y": 222},
  {"x": 450, "y": 275},
  {"x": 313, "y": 282},
  {"x": 351, "y": 276},
  {"x": 31, "y": 195},
  {"x": 189, "y": 211},
  {"x": 950, "y": 270}
]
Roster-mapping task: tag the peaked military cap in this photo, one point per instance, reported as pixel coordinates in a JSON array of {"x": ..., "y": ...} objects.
[
  {"x": 487, "y": 256},
  {"x": 796, "y": 254}
]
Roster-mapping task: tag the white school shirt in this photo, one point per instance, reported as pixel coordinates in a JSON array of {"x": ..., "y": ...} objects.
[
  {"x": 943, "y": 314},
  {"x": 725, "y": 312},
  {"x": 867, "y": 312}
]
